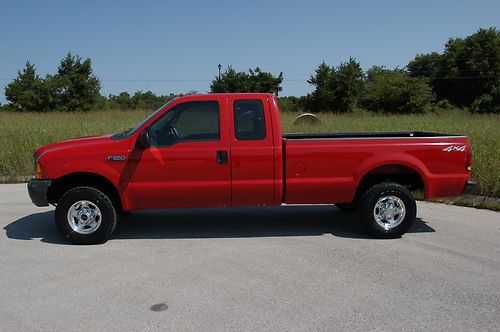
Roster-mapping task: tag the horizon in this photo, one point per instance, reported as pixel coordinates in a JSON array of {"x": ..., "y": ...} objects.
[{"x": 134, "y": 48}]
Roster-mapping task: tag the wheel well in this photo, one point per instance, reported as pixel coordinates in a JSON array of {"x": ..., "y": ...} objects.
[
  {"x": 401, "y": 174},
  {"x": 67, "y": 182}
]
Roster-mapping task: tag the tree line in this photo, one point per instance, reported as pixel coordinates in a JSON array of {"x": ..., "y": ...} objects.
[{"x": 466, "y": 75}]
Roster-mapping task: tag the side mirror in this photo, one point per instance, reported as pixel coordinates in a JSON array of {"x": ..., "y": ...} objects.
[{"x": 143, "y": 141}]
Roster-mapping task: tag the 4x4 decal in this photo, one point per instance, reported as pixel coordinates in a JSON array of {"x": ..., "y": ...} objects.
[{"x": 451, "y": 148}]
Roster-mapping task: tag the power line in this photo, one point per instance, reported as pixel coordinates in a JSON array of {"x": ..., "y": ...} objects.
[
  {"x": 285, "y": 80},
  {"x": 470, "y": 58},
  {"x": 468, "y": 70},
  {"x": 460, "y": 78},
  {"x": 155, "y": 80}
]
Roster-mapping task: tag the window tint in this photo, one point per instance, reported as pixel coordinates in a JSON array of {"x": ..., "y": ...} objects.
[
  {"x": 249, "y": 122},
  {"x": 192, "y": 121}
]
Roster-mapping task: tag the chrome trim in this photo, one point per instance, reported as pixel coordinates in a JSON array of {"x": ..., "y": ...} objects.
[
  {"x": 84, "y": 217},
  {"x": 370, "y": 138},
  {"x": 389, "y": 212}
]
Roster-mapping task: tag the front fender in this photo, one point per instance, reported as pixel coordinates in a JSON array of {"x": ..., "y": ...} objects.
[
  {"x": 58, "y": 169},
  {"x": 116, "y": 172}
]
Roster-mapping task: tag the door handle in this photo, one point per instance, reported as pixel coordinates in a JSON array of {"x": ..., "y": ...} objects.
[{"x": 221, "y": 157}]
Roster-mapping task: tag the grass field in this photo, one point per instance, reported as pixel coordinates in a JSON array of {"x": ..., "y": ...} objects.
[{"x": 22, "y": 133}]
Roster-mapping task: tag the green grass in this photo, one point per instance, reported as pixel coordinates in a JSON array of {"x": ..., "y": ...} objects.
[
  {"x": 22, "y": 133},
  {"x": 483, "y": 130},
  {"x": 479, "y": 202}
]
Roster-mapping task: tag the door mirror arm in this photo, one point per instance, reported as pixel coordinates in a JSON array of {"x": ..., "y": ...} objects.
[{"x": 143, "y": 141}]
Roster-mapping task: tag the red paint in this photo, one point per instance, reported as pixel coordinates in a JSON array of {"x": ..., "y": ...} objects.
[{"x": 264, "y": 172}]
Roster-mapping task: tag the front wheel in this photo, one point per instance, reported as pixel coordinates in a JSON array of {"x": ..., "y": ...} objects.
[
  {"x": 85, "y": 215},
  {"x": 388, "y": 210}
]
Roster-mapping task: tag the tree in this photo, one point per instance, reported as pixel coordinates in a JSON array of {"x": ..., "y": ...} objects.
[
  {"x": 261, "y": 81},
  {"x": 148, "y": 100},
  {"x": 393, "y": 91},
  {"x": 73, "y": 87},
  {"x": 140, "y": 100},
  {"x": 254, "y": 81},
  {"x": 120, "y": 101},
  {"x": 428, "y": 65},
  {"x": 347, "y": 84},
  {"x": 468, "y": 68},
  {"x": 76, "y": 87},
  {"x": 336, "y": 89},
  {"x": 26, "y": 93},
  {"x": 322, "y": 98}
]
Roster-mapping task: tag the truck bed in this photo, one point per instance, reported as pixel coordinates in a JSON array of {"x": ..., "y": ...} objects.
[
  {"x": 317, "y": 163},
  {"x": 366, "y": 135}
]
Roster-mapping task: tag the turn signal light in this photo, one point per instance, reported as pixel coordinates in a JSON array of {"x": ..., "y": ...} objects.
[{"x": 38, "y": 171}]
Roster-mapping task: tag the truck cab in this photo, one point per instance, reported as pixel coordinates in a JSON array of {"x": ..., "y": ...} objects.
[{"x": 209, "y": 151}]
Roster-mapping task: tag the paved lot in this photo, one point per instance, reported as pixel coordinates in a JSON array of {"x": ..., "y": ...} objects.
[{"x": 271, "y": 269}]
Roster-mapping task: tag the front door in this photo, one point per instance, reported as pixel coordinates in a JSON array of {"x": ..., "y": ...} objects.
[{"x": 187, "y": 163}]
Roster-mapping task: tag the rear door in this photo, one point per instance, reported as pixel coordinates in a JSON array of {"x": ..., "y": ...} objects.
[{"x": 252, "y": 153}]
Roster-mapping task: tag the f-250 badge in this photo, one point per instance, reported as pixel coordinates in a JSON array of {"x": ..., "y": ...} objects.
[
  {"x": 116, "y": 158},
  {"x": 451, "y": 148}
]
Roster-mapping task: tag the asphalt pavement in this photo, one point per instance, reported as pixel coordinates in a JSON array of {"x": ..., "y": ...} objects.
[{"x": 296, "y": 268}]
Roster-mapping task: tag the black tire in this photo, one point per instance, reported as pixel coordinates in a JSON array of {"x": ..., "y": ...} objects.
[
  {"x": 370, "y": 199},
  {"x": 350, "y": 207},
  {"x": 108, "y": 215}
]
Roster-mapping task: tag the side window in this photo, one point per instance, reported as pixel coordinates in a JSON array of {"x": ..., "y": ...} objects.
[
  {"x": 249, "y": 121},
  {"x": 195, "y": 121}
]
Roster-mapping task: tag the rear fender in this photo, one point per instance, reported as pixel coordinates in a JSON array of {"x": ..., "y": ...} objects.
[{"x": 392, "y": 159}]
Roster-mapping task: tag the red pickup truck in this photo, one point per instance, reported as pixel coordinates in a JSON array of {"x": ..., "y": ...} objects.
[{"x": 221, "y": 150}]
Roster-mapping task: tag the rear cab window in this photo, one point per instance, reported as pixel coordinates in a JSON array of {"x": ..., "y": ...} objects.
[{"x": 249, "y": 120}]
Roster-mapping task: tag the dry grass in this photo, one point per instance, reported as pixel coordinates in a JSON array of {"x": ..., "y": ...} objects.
[{"x": 21, "y": 134}]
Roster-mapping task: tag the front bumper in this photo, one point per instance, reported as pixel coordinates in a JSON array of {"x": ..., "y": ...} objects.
[
  {"x": 469, "y": 187},
  {"x": 38, "y": 191}
]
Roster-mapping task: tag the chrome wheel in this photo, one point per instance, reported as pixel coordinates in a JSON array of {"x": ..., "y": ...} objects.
[
  {"x": 84, "y": 217},
  {"x": 389, "y": 212}
]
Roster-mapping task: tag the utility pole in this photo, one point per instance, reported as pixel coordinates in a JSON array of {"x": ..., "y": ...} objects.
[{"x": 219, "y": 66}]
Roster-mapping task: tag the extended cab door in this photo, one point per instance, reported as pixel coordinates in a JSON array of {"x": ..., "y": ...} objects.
[
  {"x": 187, "y": 163},
  {"x": 252, "y": 153}
]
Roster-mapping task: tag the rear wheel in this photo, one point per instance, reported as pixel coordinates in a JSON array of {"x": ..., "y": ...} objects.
[
  {"x": 388, "y": 210},
  {"x": 85, "y": 215}
]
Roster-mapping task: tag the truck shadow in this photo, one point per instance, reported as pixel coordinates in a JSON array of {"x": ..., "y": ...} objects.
[{"x": 214, "y": 223}]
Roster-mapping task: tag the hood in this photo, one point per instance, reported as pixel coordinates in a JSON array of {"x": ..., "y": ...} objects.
[{"x": 89, "y": 142}]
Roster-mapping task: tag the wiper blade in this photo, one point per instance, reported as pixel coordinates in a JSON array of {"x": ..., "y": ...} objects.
[{"x": 122, "y": 134}]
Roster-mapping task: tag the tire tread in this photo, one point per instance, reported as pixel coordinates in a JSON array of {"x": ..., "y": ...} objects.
[
  {"x": 366, "y": 210},
  {"x": 93, "y": 238}
]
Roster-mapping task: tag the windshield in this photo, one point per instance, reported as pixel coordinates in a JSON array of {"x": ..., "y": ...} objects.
[{"x": 130, "y": 131}]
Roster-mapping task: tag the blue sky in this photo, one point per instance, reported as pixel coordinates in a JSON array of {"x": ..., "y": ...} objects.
[{"x": 134, "y": 44}]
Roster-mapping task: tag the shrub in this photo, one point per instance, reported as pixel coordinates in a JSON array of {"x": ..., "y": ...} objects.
[
  {"x": 442, "y": 106},
  {"x": 487, "y": 103},
  {"x": 288, "y": 104},
  {"x": 393, "y": 91}
]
